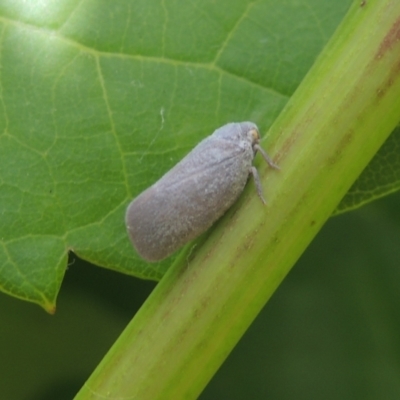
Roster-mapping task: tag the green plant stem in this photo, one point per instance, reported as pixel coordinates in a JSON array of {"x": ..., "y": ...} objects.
[{"x": 341, "y": 114}]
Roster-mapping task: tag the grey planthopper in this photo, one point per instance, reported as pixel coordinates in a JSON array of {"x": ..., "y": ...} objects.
[{"x": 196, "y": 192}]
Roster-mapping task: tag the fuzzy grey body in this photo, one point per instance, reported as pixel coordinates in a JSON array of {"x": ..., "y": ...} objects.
[{"x": 189, "y": 198}]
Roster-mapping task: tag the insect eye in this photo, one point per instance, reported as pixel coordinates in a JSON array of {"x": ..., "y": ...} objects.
[{"x": 254, "y": 135}]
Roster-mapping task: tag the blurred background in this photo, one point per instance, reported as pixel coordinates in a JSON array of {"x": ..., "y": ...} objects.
[{"x": 331, "y": 331}]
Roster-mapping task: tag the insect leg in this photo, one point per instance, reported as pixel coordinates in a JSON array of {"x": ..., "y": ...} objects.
[
  {"x": 266, "y": 157},
  {"x": 254, "y": 172}
]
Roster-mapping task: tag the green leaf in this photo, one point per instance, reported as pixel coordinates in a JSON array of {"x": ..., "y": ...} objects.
[
  {"x": 99, "y": 99},
  {"x": 380, "y": 177}
]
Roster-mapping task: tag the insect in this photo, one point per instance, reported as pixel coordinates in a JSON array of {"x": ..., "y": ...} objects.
[{"x": 190, "y": 197}]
